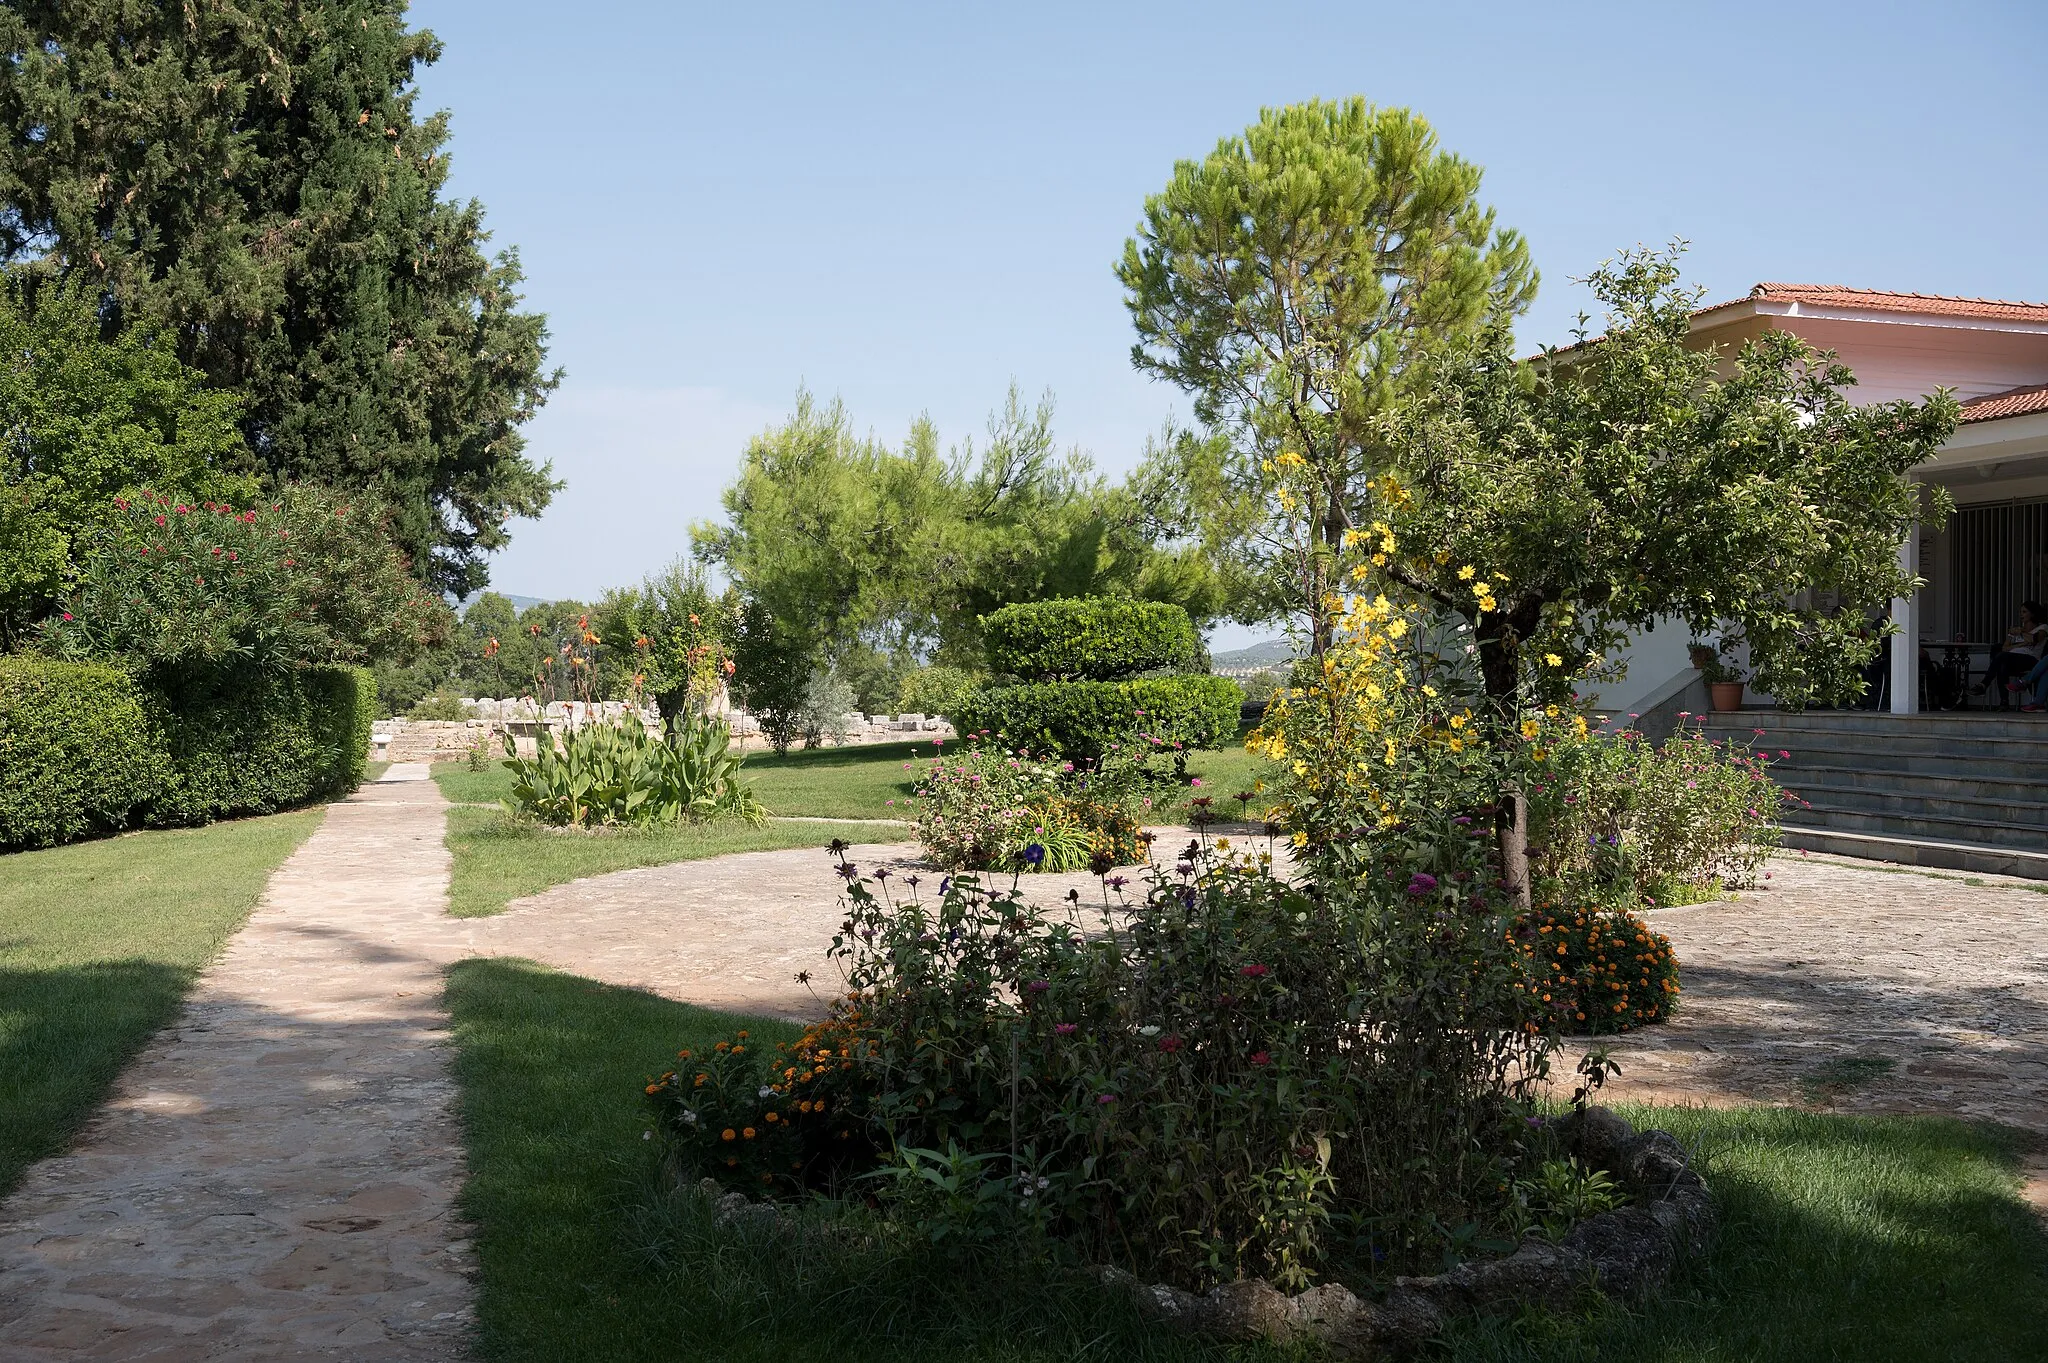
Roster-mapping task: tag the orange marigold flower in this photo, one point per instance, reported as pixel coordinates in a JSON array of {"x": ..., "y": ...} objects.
[
  {"x": 728, "y": 1134},
  {"x": 749, "y": 1133}
]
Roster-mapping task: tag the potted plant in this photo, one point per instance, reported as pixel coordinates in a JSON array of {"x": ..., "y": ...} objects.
[{"x": 1724, "y": 680}]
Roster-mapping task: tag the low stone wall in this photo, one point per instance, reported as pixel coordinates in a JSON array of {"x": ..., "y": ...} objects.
[{"x": 401, "y": 739}]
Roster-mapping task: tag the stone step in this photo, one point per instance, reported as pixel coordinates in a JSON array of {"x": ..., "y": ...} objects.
[
  {"x": 1922, "y": 805},
  {"x": 2018, "y": 769},
  {"x": 2023, "y": 751},
  {"x": 1918, "y": 851},
  {"x": 1877, "y": 773},
  {"x": 1922, "y": 824},
  {"x": 1970, "y": 724}
]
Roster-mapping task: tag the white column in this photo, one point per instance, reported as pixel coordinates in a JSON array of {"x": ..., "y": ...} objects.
[{"x": 1906, "y": 643}]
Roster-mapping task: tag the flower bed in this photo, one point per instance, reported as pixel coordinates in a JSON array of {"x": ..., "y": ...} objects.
[
  {"x": 984, "y": 808},
  {"x": 1216, "y": 1076}
]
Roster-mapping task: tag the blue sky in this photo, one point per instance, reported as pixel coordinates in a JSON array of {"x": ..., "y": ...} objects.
[{"x": 908, "y": 206}]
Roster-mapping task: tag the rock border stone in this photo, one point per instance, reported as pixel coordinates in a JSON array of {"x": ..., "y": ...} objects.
[{"x": 1623, "y": 1252}]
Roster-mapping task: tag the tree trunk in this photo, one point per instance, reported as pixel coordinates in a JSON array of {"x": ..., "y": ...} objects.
[
  {"x": 1499, "y": 667},
  {"x": 1511, "y": 828}
]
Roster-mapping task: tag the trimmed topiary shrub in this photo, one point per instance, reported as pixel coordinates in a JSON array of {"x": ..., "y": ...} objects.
[
  {"x": 1097, "y": 638},
  {"x": 250, "y": 741},
  {"x": 1082, "y": 720},
  {"x": 77, "y": 749},
  {"x": 346, "y": 707}
]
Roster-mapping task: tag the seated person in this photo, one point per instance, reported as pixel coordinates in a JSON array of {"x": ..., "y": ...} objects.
[{"x": 2023, "y": 648}]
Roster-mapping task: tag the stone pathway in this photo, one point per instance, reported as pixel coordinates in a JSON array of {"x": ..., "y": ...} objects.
[
  {"x": 729, "y": 932},
  {"x": 274, "y": 1175},
  {"x": 1910, "y": 993}
]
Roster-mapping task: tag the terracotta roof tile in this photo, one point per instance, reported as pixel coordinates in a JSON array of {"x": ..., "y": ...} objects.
[
  {"x": 2013, "y": 402},
  {"x": 1886, "y": 300}
]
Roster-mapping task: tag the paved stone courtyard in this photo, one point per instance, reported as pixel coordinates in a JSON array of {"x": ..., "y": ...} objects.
[
  {"x": 275, "y": 1175},
  {"x": 1911, "y": 993}
]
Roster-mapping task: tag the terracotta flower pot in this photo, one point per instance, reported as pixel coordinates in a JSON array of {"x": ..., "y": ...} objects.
[{"x": 1727, "y": 695}]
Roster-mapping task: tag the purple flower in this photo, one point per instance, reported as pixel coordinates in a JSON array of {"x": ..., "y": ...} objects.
[
  {"x": 1034, "y": 855},
  {"x": 1105, "y": 1099},
  {"x": 945, "y": 883},
  {"x": 1423, "y": 883},
  {"x": 1255, "y": 972},
  {"x": 1039, "y": 986},
  {"x": 1065, "y": 1028}
]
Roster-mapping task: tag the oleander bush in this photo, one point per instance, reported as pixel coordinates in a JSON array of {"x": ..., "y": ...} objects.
[
  {"x": 1094, "y": 638},
  {"x": 1599, "y": 970},
  {"x": 1084, "y": 720},
  {"x": 78, "y": 750}
]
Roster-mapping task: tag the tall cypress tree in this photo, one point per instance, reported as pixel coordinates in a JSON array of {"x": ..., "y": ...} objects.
[{"x": 248, "y": 177}]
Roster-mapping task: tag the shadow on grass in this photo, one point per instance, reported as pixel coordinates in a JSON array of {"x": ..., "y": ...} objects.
[
  {"x": 1894, "y": 1238},
  {"x": 65, "y": 1034}
]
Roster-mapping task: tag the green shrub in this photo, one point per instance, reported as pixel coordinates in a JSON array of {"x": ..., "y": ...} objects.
[
  {"x": 937, "y": 690},
  {"x": 1095, "y": 638},
  {"x": 1600, "y": 970},
  {"x": 1614, "y": 818},
  {"x": 1086, "y": 720},
  {"x": 252, "y": 741},
  {"x": 346, "y": 708},
  {"x": 1218, "y": 1075},
  {"x": 980, "y": 808},
  {"x": 438, "y": 705},
  {"x": 77, "y": 749}
]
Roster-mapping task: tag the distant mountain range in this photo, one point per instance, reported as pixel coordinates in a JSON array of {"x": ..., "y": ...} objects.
[
  {"x": 519, "y": 603},
  {"x": 1271, "y": 653}
]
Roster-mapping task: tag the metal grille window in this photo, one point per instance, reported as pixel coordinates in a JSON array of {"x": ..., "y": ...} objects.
[{"x": 2001, "y": 559}]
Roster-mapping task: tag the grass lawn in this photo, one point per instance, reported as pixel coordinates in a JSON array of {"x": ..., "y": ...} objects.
[
  {"x": 499, "y": 858},
  {"x": 1843, "y": 1237},
  {"x": 98, "y": 943},
  {"x": 859, "y": 782}
]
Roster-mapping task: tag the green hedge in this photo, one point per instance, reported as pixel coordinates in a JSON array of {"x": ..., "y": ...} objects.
[
  {"x": 78, "y": 753},
  {"x": 255, "y": 742},
  {"x": 1079, "y": 720},
  {"x": 1096, "y": 638}
]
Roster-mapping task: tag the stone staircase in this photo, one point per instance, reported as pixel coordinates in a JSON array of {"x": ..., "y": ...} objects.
[{"x": 1963, "y": 791}]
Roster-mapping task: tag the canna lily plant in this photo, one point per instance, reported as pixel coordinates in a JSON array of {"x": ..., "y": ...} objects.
[{"x": 603, "y": 774}]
